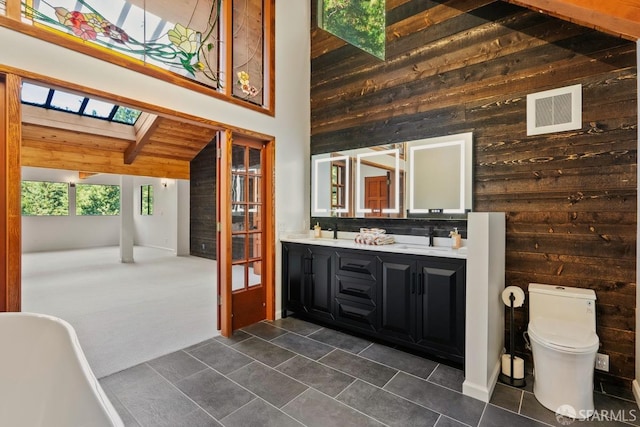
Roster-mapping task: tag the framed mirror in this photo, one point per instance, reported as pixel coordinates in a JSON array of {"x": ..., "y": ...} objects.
[
  {"x": 330, "y": 184},
  {"x": 399, "y": 180},
  {"x": 440, "y": 177},
  {"x": 378, "y": 182}
]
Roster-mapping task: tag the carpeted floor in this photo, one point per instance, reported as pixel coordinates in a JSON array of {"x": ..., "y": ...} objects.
[{"x": 124, "y": 314}]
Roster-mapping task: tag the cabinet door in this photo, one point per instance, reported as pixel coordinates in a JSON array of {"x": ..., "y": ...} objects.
[
  {"x": 319, "y": 289},
  {"x": 440, "y": 307},
  {"x": 294, "y": 265},
  {"x": 397, "y": 299}
]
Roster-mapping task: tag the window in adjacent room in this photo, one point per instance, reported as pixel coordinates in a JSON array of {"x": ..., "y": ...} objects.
[
  {"x": 41, "y": 198},
  {"x": 95, "y": 199},
  {"x": 146, "y": 200},
  {"x": 360, "y": 23}
]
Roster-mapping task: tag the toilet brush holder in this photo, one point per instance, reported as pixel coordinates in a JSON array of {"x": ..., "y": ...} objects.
[{"x": 512, "y": 367}]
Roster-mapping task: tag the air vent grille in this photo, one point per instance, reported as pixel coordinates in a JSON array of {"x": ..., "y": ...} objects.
[{"x": 554, "y": 110}]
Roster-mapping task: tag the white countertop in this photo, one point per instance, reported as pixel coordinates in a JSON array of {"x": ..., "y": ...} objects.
[{"x": 412, "y": 245}]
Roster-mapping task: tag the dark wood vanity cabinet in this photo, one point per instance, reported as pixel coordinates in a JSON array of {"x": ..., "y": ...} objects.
[
  {"x": 423, "y": 303},
  {"x": 308, "y": 280},
  {"x": 415, "y": 301}
]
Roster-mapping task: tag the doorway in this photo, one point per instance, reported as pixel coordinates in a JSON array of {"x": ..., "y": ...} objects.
[{"x": 245, "y": 209}]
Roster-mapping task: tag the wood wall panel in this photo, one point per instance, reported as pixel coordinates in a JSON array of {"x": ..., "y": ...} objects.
[
  {"x": 467, "y": 66},
  {"x": 203, "y": 203}
]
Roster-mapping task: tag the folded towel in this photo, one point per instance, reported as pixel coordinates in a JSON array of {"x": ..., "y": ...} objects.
[{"x": 374, "y": 239}]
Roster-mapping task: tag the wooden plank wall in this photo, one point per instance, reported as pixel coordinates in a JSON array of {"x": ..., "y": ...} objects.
[
  {"x": 203, "y": 189},
  {"x": 466, "y": 66}
]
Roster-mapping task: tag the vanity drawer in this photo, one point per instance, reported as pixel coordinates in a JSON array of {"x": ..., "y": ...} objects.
[
  {"x": 357, "y": 264},
  {"x": 362, "y": 316},
  {"x": 355, "y": 288}
]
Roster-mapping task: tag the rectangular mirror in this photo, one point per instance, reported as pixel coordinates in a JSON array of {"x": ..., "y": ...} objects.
[
  {"x": 431, "y": 175},
  {"x": 378, "y": 182},
  {"x": 439, "y": 174},
  {"x": 330, "y": 184}
]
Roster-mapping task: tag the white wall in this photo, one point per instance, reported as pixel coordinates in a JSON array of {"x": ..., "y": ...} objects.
[
  {"x": 290, "y": 126},
  {"x": 164, "y": 229},
  {"x": 51, "y": 233},
  {"x": 160, "y": 229}
]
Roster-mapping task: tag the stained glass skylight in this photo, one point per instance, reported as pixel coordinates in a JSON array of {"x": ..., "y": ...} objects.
[{"x": 44, "y": 97}]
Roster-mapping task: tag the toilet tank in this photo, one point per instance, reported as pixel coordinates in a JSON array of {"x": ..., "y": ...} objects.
[{"x": 563, "y": 302}]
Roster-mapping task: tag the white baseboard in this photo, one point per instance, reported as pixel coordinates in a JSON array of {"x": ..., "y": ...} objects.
[
  {"x": 483, "y": 391},
  {"x": 636, "y": 392}
]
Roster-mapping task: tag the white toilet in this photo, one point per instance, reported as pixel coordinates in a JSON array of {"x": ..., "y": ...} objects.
[{"x": 562, "y": 329}]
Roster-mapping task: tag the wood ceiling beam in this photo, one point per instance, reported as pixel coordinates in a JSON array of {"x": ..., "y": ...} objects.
[
  {"x": 620, "y": 18},
  {"x": 87, "y": 159},
  {"x": 85, "y": 175},
  {"x": 145, "y": 126}
]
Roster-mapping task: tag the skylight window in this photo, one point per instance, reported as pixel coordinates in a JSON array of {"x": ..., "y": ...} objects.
[
  {"x": 97, "y": 108},
  {"x": 44, "y": 97},
  {"x": 361, "y": 23},
  {"x": 66, "y": 101}
]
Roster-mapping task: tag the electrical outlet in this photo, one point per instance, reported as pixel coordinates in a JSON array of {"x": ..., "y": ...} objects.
[{"x": 602, "y": 362}]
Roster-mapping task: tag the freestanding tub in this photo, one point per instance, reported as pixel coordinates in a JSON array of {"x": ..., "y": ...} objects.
[{"x": 45, "y": 379}]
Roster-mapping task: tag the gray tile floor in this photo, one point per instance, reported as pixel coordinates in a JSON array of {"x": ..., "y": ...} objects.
[{"x": 292, "y": 373}]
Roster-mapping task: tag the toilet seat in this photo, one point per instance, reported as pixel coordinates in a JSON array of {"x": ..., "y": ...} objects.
[{"x": 564, "y": 336}]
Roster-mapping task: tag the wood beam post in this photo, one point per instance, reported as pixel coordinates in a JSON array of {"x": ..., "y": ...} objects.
[
  {"x": 10, "y": 177},
  {"x": 224, "y": 233}
]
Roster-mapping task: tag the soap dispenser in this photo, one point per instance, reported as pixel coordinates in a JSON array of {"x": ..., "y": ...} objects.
[
  {"x": 317, "y": 230},
  {"x": 456, "y": 239}
]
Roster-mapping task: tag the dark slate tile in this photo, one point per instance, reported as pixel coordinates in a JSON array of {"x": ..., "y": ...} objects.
[
  {"x": 214, "y": 393},
  {"x": 386, "y": 407},
  {"x": 264, "y": 330},
  {"x": 264, "y": 351},
  {"x": 534, "y": 409},
  {"x": 614, "y": 407},
  {"x": 176, "y": 366},
  {"x": 298, "y": 326},
  {"x": 314, "y": 409},
  {"x": 338, "y": 339},
  {"x": 268, "y": 383},
  {"x": 235, "y": 338},
  {"x": 530, "y": 407},
  {"x": 359, "y": 367},
  {"x": 302, "y": 345},
  {"x": 327, "y": 380},
  {"x": 415, "y": 365},
  {"x": 448, "y": 402},
  {"x": 507, "y": 397},
  {"x": 199, "y": 418},
  {"x": 150, "y": 399},
  {"x": 448, "y": 422},
  {"x": 125, "y": 415},
  {"x": 498, "y": 417},
  {"x": 259, "y": 413},
  {"x": 447, "y": 376},
  {"x": 220, "y": 357},
  {"x": 200, "y": 344}
]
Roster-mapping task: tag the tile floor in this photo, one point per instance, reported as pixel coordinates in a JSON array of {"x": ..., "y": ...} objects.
[{"x": 292, "y": 373}]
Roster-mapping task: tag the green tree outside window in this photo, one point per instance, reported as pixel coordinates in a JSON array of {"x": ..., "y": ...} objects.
[
  {"x": 44, "y": 198},
  {"x": 93, "y": 199},
  {"x": 146, "y": 200},
  {"x": 359, "y": 22}
]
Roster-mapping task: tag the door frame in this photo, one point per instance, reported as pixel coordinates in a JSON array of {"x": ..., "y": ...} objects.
[
  {"x": 224, "y": 229},
  {"x": 11, "y": 175}
]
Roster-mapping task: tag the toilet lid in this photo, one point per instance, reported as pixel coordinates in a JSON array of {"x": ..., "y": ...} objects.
[{"x": 563, "y": 335}]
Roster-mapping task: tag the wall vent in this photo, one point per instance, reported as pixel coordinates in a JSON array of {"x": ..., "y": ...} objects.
[{"x": 554, "y": 110}]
